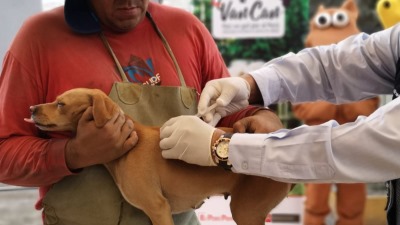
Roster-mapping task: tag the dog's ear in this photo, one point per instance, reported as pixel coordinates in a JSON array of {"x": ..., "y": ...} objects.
[{"x": 103, "y": 109}]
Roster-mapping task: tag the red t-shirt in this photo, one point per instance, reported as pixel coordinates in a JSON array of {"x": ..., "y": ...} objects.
[{"x": 47, "y": 58}]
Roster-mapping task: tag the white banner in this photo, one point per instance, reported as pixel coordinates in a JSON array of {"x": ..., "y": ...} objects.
[
  {"x": 248, "y": 19},
  {"x": 215, "y": 211}
]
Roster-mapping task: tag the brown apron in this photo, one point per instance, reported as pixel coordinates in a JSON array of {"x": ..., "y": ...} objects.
[{"x": 91, "y": 197}]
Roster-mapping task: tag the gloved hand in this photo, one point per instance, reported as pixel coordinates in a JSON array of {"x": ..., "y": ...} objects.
[
  {"x": 187, "y": 138},
  {"x": 230, "y": 95}
]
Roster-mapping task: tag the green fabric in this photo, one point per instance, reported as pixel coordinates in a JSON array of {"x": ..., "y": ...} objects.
[
  {"x": 92, "y": 198},
  {"x": 153, "y": 105}
]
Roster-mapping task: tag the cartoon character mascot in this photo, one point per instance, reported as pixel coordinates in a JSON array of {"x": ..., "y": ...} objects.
[
  {"x": 388, "y": 12},
  {"x": 329, "y": 26}
]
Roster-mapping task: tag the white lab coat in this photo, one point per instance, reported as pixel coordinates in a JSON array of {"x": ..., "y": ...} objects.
[{"x": 367, "y": 150}]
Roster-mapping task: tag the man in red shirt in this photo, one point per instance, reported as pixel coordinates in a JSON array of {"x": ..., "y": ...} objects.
[{"x": 60, "y": 49}]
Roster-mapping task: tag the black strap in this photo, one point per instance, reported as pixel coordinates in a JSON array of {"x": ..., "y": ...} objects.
[
  {"x": 393, "y": 186},
  {"x": 396, "y": 91},
  {"x": 169, "y": 50}
]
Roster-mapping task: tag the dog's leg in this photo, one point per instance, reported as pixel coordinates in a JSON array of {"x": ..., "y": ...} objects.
[
  {"x": 158, "y": 210},
  {"x": 141, "y": 191},
  {"x": 254, "y": 198}
]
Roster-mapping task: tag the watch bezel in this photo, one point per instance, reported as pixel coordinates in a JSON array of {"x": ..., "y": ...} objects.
[
  {"x": 218, "y": 160},
  {"x": 218, "y": 145}
]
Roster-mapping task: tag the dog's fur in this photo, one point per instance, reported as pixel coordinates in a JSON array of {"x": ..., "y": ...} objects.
[{"x": 154, "y": 184}]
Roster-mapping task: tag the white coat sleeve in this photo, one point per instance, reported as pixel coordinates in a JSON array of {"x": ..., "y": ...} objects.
[
  {"x": 367, "y": 150},
  {"x": 359, "y": 67}
]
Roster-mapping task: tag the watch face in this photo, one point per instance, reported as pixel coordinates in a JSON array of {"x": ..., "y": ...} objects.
[{"x": 222, "y": 149}]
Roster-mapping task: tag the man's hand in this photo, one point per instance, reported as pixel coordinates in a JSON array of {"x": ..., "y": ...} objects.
[
  {"x": 93, "y": 145},
  {"x": 263, "y": 121},
  {"x": 230, "y": 94},
  {"x": 187, "y": 138}
]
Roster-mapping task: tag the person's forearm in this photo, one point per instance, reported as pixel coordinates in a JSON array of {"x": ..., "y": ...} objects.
[
  {"x": 326, "y": 152},
  {"x": 312, "y": 74},
  {"x": 230, "y": 120},
  {"x": 32, "y": 162},
  {"x": 255, "y": 94}
]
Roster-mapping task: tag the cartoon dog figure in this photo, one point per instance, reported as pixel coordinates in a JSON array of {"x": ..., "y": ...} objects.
[{"x": 329, "y": 26}]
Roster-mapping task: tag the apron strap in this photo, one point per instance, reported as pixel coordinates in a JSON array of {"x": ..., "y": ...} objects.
[
  {"x": 119, "y": 67},
  {"x": 165, "y": 43}
]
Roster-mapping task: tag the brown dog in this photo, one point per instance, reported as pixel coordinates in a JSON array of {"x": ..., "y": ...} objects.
[{"x": 154, "y": 184}]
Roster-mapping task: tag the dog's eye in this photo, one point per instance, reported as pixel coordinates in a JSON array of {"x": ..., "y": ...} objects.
[{"x": 60, "y": 104}]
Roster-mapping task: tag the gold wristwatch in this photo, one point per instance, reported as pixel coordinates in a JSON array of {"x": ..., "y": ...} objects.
[{"x": 220, "y": 151}]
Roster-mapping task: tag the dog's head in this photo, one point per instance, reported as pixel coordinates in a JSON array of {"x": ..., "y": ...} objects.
[{"x": 64, "y": 113}]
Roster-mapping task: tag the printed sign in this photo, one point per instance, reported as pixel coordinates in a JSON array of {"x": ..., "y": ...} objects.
[
  {"x": 215, "y": 211},
  {"x": 248, "y": 19}
]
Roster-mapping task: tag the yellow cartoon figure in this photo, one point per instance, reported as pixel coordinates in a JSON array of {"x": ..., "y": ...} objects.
[{"x": 388, "y": 12}]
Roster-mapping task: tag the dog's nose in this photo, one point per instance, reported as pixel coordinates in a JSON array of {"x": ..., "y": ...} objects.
[{"x": 33, "y": 110}]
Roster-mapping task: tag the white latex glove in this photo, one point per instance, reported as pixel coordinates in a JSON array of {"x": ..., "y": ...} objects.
[
  {"x": 231, "y": 94},
  {"x": 187, "y": 138}
]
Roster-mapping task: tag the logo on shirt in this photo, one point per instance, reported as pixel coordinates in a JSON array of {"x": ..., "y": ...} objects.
[{"x": 142, "y": 71}]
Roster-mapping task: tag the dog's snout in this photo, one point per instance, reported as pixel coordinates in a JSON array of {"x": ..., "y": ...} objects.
[{"x": 33, "y": 109}]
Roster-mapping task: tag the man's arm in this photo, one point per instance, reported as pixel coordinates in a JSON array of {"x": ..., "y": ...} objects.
[
  {"x": 255, "y": 93},
  {"x": 29, "y": 157},
  {"x": 26, "y": 159}
]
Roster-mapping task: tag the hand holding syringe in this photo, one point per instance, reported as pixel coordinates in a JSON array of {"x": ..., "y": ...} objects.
[{"x": 213, "y": 106}]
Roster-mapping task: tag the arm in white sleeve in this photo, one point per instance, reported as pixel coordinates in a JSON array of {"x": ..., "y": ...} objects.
[
  {"x": 356, "y": 68},
  {"x": 367, "y": 150}
]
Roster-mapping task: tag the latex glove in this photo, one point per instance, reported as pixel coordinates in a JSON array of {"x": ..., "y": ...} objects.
[
  {"x": 187, "y": 138},
  {"x": 230, "y": 95}
]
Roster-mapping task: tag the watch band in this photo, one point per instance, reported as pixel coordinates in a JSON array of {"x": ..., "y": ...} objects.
[
  {"x": 225, "y": 164},
  {"x": 227, "y": 135}
]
